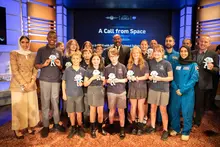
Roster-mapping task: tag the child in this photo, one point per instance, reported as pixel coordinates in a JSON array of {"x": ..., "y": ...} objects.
[
  {"x": 86, "y": 54},
  {"x": 73, "y": 93},
  {"x": 160, "y": 75},
  {"x": 115, "y": 75},
  {"x": 144, "y": 47},
  {"x": 60, "y": 47},
  {"x": 99, "y": 49},
  {"x": 137, "y": 91},
  {"x": 94, "y": 80},
  {"x": 71, "y": 47},
  {"x": 87, "y": 45}
]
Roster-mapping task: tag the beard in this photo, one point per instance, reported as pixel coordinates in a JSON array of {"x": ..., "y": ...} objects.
[{"x": 169, "y": 46}]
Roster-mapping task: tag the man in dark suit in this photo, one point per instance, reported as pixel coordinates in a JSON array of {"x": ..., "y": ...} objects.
[
  {"x": 124, "y": 51},
  {"x": 204, "y": 87}
]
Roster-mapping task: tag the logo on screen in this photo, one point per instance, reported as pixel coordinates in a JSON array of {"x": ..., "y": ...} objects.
[
  {"x": 122, "y": 17},
  {"x": 111, "y": 17}
]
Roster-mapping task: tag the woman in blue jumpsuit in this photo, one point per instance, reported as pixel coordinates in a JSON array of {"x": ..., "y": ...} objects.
[{"x": 182, "y": 92}]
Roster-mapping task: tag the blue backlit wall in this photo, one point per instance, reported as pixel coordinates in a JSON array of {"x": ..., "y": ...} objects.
[
  {"x": 13, "y": 32},
  {"x": 185, "y": 24},
  {"x": 13, "y": 24},
  {"x": 61, "y": 19}
]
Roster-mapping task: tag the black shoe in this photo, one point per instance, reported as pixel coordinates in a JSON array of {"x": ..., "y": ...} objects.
[
  {"x": 111, "y": 129},
  {"x": 44, "y": 132},
  {"x": 18, "y": 137},
  {"x": 86, "y": 122},
  {"x": 32, "y": 132},
  {"x": 93, "y": 130},
  {"x": 140, "y": 129},
  {"x": 81, "y": 132},
  {"x": 101, "y": 130},
  {"x": 122, "y": 133},
  {"x": 150, "y": 130},
  {"x": 165, "y": 135},
  {"x": 72, "y": 132},
  {"x": 134, "y": 128},
  {"x": 59, "y": 128}
]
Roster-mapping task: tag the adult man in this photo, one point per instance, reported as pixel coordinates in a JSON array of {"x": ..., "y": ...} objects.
[
  {"x": 170, "y": 54},
  {"x": 187, "y": 42},
  {"x": 50, "y": 78},
  {"x": 124, "y": 51},
  {"x": 206, "y": 69}
]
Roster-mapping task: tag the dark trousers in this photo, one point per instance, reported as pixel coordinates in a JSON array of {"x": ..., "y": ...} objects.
[
  {"x": 202, "y": 97},
  {"x": 214, "y": 91}
]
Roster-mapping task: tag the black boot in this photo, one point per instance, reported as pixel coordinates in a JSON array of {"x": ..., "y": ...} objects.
[
  {"x": 93, "y": 133},
  {"x": 140, "y": 128},
  {"x": 86, "y": 122},
  {"x": 134, "y": 128},
  {"x": 122, "y": 133},
  {"x": 101, "y": 130}
]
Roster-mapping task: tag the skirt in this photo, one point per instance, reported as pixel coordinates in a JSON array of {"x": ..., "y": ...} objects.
[
  {"x": 95, "y": 96},
  {"x": 25, "y": 111},
  {"x": 137, "y": 93}
]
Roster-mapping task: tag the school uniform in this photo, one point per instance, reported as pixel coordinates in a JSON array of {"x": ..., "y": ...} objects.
[
  {"x": 138, "y": 89},
  {"x": 95, "y": 90},
  {"x": 159, "y": 91},
  {"x": 74, "y": 93},
  {"x": 116, "y": 93}
]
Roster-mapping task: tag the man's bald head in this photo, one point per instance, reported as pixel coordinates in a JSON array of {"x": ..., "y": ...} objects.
[{"x": 117, "y": 40}]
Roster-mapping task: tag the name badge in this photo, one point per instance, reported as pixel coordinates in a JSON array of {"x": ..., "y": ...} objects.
[
  {"x": 175, "y": 57},
  {"x": 165, "y": 56},
  {"x": 186, "y": 68},
  {"x": 178, "y": 67}
]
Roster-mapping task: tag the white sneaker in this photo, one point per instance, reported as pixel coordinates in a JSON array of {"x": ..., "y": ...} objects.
[
  {"x": 185, "y": 137},
  {"x": 173, "y": 133}
]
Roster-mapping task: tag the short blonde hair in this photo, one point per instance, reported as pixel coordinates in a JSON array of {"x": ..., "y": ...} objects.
[
  {"x": 77, "y": 53},
  {"x": 113, "y": 51},
  {"x": 159, "y": 48}
]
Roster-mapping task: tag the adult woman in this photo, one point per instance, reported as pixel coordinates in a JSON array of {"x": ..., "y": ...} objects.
[
  {"x": 25, "y": 113},
  {"x": 182, "y": 92}
]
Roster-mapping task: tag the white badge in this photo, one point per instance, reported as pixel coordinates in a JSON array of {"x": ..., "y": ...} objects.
[{"x": 178, "y": 67}]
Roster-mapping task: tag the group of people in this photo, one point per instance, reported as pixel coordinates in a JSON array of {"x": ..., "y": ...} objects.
[{"x": 174, "y": 81}]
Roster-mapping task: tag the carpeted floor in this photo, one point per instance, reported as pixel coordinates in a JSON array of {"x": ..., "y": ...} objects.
[{"x": 211, "y": 121}]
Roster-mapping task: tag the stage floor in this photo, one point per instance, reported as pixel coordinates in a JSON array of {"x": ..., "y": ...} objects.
[{"x": 211, "y": 121}]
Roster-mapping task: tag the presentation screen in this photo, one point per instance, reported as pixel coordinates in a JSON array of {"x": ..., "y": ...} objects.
[{"x": 99, "y": 26}]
